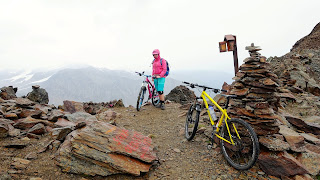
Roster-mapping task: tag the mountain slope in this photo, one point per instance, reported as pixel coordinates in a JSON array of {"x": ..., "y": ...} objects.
[
  {"x": 301, "y": 66},
  {"x": 88, "y": 83},
  {"x": 311, "y": 41},
  {"x": 83, "y": 84}
]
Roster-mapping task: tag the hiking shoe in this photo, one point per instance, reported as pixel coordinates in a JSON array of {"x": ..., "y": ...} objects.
[
  {"x": 158, "y": 105},
  {"x": 163, "y": 107}
]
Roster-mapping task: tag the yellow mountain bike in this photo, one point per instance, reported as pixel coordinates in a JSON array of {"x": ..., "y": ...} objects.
[{"x": 238, "y": 141}]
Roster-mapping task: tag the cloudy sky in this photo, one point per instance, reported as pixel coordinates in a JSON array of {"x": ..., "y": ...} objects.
[{"x": 121, "y": 34}]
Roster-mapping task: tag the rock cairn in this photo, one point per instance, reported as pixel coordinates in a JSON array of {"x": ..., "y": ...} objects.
[
  {"x": 39, "y": 95},
  {"x": 289, "y": 145},
  {"x": 255, "y": 86}
]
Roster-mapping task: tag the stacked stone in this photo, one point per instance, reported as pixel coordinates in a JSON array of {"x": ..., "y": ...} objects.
[{"x": 255, "y": 86}]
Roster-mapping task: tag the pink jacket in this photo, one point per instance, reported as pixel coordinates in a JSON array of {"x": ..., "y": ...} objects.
[{"x": 157, "y": 68}]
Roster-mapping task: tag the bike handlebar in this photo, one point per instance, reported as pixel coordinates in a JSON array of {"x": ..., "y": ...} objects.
[
  {"x": 142, "y": 74},
  {"x": 192, "y": 85}
]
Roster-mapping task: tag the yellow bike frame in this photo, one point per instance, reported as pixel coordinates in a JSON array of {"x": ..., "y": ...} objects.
[{"x": 224, "y": 117}]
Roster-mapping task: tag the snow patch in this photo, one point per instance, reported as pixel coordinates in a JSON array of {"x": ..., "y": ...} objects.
[
  {"x": 24, "y": 76},
  {"x": 41, "y": 80}
]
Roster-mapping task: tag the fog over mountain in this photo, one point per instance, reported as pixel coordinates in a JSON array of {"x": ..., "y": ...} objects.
[{"x": 88, "y": 83}]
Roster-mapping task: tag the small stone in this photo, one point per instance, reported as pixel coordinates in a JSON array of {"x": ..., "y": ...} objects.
[
  {"x": 25, "y": 139},
  {"x": 177, "y": 150},
  {"x": 31, "y": 155},
  {"x": 35, "y": 178},
  {"x": 35, "y": 87},
  {"x": 151, "y": 136},
  {"x": 20, "y": 163},
  {"x": 12, "y": 171}
]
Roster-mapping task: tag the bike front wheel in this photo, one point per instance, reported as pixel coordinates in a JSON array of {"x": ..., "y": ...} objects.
[
  {"x": 244, "y": 153},
  {"x": 141, "y": 97},
  {"x": 155, "y": 98},
  {"x": 191, "y": 122}
]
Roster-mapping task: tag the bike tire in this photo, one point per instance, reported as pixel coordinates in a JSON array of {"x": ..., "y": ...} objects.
[
  {"x": 140, "y": 98},
  {"x": 244, "y": 154},
  {"x": 191, "y": 122},
  {"x": 155, "y": 98}
]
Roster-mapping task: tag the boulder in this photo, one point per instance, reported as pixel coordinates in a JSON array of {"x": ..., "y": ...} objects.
[
  {"x": 280, "y": 164},
  {"x": 311, "y": 138},
  {"x": 24, "y": 103},
  {"x": 118, "y": 103},
  {"x": 64, "y": 122},
  {"x": 103, "y": 149},
  {"x": 274, "y": 143},
  {"x": 311, "y": 161},
  {"x": 38, "y": 129},
  {"x": 29, "y": 122},
  {"x": 80, "y": 117},
  {"x": 30, "y": 112},
  {"x": 96, "y": 108},
  {"x": 10, "y": 115},
  {"x": 108, "y": 116},
  {"x": 54, "y": 115},
  {"x": 72, "y": 106},
  {"x": 61, "y": 133},
  {"x": 38, "y": 95},
  {"x": 13, "y": 132},
  {"x": 305, "y": 81},
  {"x": 181, "y": 94},
  {"x": 8, "y": 93},
  {"x": 304, "y": 126},
  {"x": 313, "y": 119},
  {"x": 294, "y": 139},
  {"x": 312, "y": 148}
]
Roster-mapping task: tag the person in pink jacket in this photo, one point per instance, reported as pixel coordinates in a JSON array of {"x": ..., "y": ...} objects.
[{"x": 159, "y": 68}]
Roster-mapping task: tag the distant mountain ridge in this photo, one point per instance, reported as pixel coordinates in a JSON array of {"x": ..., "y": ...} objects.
[{"x": 87, "y": 84}]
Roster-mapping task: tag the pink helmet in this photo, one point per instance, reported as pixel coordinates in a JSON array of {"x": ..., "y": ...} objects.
[{"x": 156, "y": 51}]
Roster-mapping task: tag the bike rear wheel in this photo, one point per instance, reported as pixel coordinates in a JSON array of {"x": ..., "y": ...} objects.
[
  {"x": 244, "y": 153},
  {"x": 155, "y": 98},
  {"x": 191, "y": 122},
  {"x": 141, "y": 97}
]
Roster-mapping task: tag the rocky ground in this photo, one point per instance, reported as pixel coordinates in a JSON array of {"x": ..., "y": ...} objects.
[
  {"x": 178, "y": 158},
  {"x": 299, "y": 92}
]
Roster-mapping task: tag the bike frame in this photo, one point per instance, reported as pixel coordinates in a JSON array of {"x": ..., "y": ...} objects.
[
  {"x": 224, "y": 117},
  {"x": 148, "y": 82}
]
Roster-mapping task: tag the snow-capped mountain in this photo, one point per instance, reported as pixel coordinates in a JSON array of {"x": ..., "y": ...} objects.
[
  {"x": 86, "y": 83},
  {"x": 83, "y": 84}
]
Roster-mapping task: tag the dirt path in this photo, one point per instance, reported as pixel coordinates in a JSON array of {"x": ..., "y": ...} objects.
[{"x": 178, "y": 158}]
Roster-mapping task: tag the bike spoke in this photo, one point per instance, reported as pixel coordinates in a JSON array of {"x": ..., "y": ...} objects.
[
  {"x": 191, "y": 123},
  {"x": 244, "y": 153}
]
